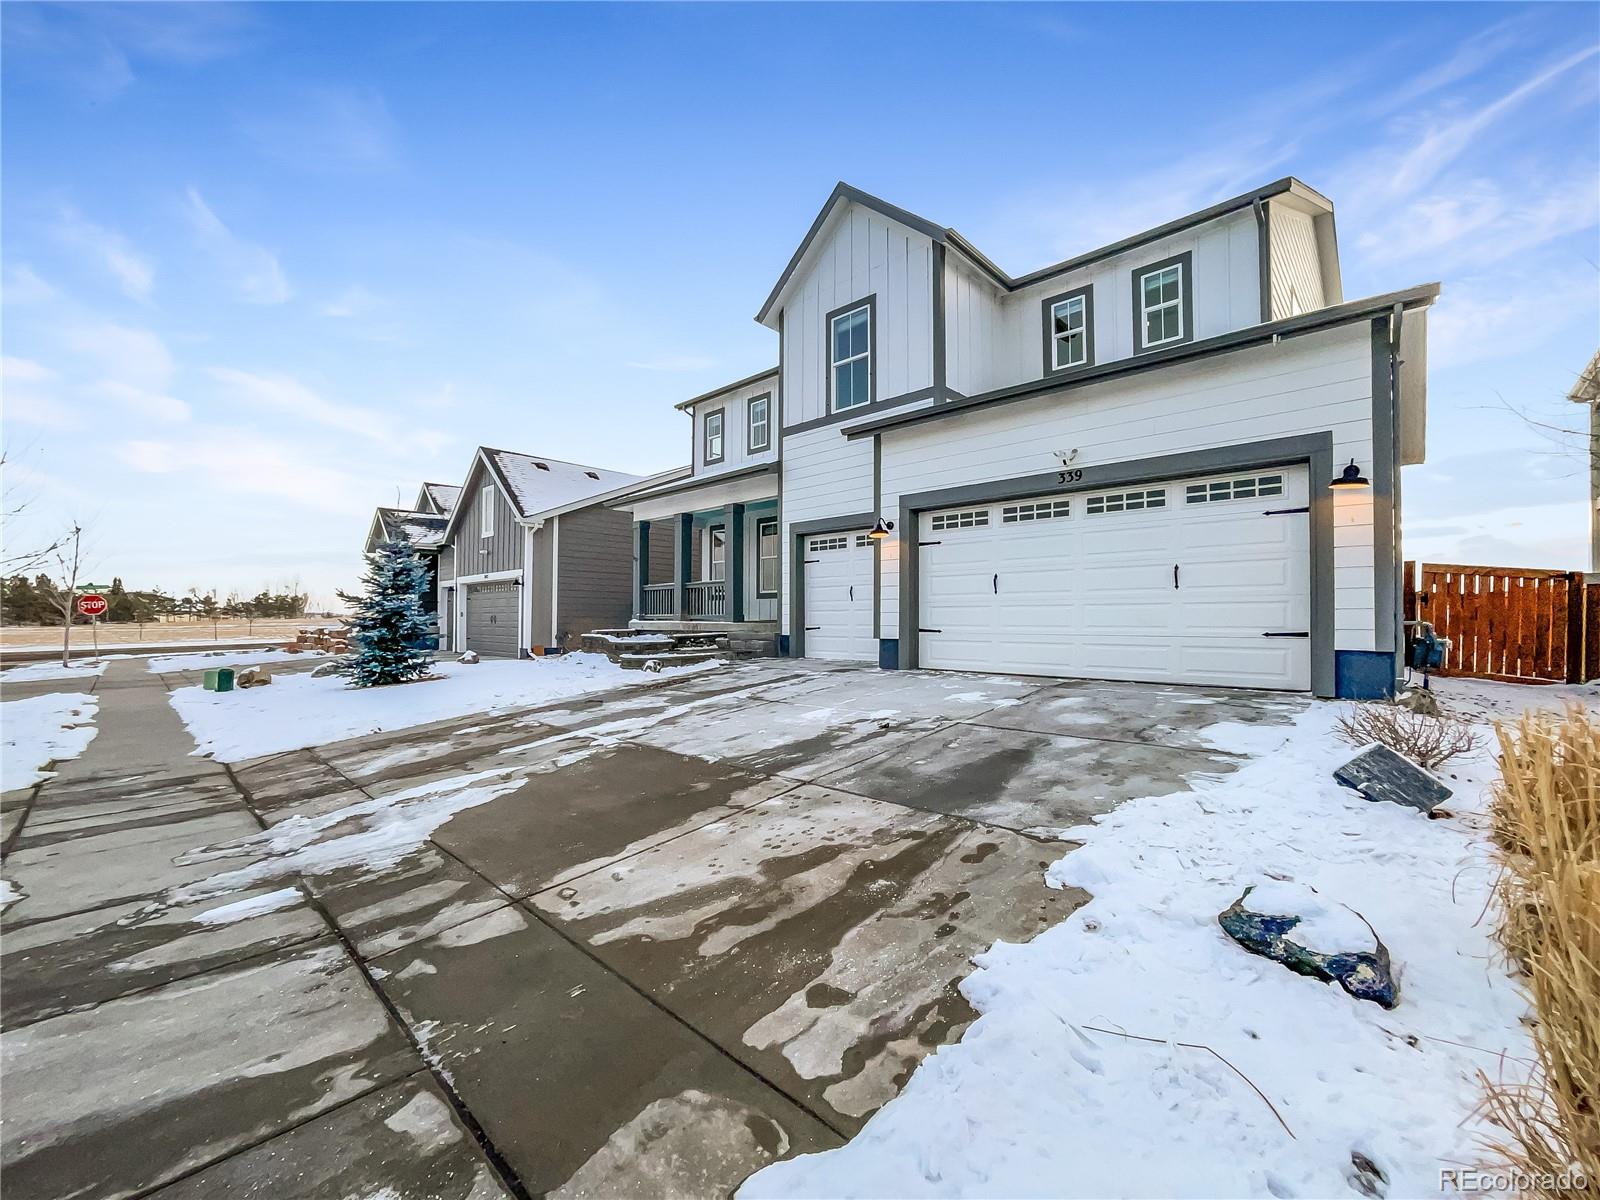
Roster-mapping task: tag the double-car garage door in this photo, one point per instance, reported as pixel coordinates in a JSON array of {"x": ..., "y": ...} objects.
[
  {"x": 490, "y": 619},
  {"x": 1203, "y": 581}
]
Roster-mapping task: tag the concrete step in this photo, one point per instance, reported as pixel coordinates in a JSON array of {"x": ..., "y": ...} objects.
[{"x": 670, "y": 658}]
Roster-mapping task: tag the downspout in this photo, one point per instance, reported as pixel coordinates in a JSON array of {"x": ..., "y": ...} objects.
[
  {"x": 1263, "y": 258},
  {"x": 1395, "y": 323}
]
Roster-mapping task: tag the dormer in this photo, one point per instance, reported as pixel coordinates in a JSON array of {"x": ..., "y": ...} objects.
[{"x": 735, "y": 426}]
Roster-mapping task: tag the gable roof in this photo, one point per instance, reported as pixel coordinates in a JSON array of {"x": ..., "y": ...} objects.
[
  {"x": 422, "y": 529},
  {"x": 769, "y": 373},
  {"x": 442, "y": 496},
  {"x": 942, "y": 235},
  {"x": 1587, "y": 389},
  {"x": 536, "y": 486}
]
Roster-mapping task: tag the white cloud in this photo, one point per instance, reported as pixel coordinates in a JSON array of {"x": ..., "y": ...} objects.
[
  {"x": 152, "y": 458},
  {"x": 153, "y": 406},
  {"x": 122, "y": 354},
  {"x": 328, "y": 129},
  {"x": 1479, "y": 319},
  {"x": 23, "y": 286},
  {"x": 253, "y": 270},
  {"x": 282, "y": 396},
  {"x": 110, "y": 252},
  {"x": 31, "y": 396},
  {"x": 354, "y": 301},
  {"x": 242, "y": 462}
]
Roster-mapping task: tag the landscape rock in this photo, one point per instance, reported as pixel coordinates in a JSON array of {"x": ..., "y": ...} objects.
[
  {"x": 469, "y": 657},
  {"x": 1381, "y": 774},
  {"x": 326, "y": 669},
  {"x": 1367, "y": 974},
  {"x": 1420, "y": 700},
  {"x": 252, "y": 677}
]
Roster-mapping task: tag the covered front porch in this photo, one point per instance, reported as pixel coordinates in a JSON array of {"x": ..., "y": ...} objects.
[{"x": 716, "y": 565}]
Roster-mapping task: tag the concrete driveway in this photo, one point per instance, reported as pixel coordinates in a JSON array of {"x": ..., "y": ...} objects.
[{"x": 640, "y": 944}]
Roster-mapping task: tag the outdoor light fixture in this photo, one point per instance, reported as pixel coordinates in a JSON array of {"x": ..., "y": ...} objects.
[
  {"x": 1351, "y": 477},
  {"x": 881, "y": 530}
]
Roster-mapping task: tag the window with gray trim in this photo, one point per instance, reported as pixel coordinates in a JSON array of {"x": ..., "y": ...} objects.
[
  {"x": 758, "y": 423},
  {"x": 717, "y": 558},
  {"x": 714, "y": 437},
  {"x": 486, "y": 510},
  {"x": 767, "y": 558},
  {"x": 1068, "y": 330},
  {"x": 1163, "y": 303},
  {"x": 850, "y": 357}
]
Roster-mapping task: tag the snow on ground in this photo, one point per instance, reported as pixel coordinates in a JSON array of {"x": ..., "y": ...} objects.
[
  {"x": 297, "y": 711},
  {"x": 33, "y": 732},
  {"x": 164, "y": 663},
  {"x": 81, "y": 668},
  {"x": 1119, "y": 1053}
]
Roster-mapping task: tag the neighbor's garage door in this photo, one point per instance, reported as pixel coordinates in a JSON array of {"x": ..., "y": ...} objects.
[
  {"x": 1203, "y": 580},
  {"x": 491, "y": 619},
  {"x": 838, "y": 597}
]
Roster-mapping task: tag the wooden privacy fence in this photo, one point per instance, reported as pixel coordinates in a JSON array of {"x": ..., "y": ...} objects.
[{"x": 1524, "y": 626}]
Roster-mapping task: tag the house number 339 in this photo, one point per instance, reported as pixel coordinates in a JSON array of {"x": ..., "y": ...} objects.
[{"x": 1069, "y": 476}]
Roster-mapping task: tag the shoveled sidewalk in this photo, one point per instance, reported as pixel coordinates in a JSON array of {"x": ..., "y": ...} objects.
[{"x": 145, "y": 1044}]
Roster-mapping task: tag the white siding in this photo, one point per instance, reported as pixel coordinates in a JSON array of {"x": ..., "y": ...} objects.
[
  {"x": 994, "y": 341},
  {"x": 734, "y": 406},
  {"x": 861, "y": 253},
  {"x": 1308, "y": 384},
  {"x": 824, "y": 475},
  {"x": 713, "y": 494},
  {"x": 1296, "y": 268}
]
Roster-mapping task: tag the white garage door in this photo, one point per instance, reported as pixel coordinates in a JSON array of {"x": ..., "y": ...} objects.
[
  {"x": 838, "y": 597},
  {"x": 1204, "y": 580}
]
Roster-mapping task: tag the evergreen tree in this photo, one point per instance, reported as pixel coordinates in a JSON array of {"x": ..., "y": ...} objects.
[{"x": 389, "y": 626}]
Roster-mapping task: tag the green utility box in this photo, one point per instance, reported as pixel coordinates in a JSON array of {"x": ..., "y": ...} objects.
[{"x": 219, "y": 679}]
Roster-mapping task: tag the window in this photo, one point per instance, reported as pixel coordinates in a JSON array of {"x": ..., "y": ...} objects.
[
  {"x": 1163, "y": 308},
  {"x": 714, "y": 437},
  {"x": 719, "y": 552},
  {"x": 1115, "y": 502},
  {"x": 1040, "y": 510},
  {"x": 974, "y": 518},
  {"x": 1248, "y": 487},
  {"x": 850, "y": 357},
  {"x": 829, "y": 543},
  {"x": 766, "y": 558},
  {"x": 1068, "y": 330},
  {"x": 486, "y": 510},
  {"x": 759, "y": 425}
]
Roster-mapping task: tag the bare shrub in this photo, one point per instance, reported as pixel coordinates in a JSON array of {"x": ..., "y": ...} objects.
[
  {"x": 1426, "y": 740},
  {"x": 1546, "y": 815}
]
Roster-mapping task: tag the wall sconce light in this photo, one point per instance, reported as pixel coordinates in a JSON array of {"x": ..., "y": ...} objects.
[
  {"x": 880, "y": 530},
  {"x": 1351, "y": 477}
]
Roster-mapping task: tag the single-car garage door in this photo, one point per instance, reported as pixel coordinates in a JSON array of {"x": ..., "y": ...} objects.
[
  {"x": 491, "y": 619},
  {"x": 1204, "y": 580},
  {"x": 838, "y": 597}
]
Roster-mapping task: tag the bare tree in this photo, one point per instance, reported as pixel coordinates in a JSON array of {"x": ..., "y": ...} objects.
[
  {"x": 13, "y": 503},
  {"x": 67, "y": 554}
]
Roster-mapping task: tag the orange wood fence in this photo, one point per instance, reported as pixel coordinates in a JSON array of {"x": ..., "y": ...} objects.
[{"x": 1504, "y": 623}]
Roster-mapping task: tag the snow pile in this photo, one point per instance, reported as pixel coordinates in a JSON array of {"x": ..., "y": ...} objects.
[
  {"x": 1324, "y": 927},
  {"x": 298, "y": 710},
  {"x": 251, "y": 906},
  {"x": 1120, "y": 1052},
  {"x": 163, "y": 664},
  {"x": 80, "y": 668},
  {"x": 40, "y": 730}
]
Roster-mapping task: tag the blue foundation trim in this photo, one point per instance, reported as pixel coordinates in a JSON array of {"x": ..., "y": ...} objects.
[
  {"x": 1363, "y": 674},
  {"x": 889, "y": 654},
  {"x": 783, "y": 645}
]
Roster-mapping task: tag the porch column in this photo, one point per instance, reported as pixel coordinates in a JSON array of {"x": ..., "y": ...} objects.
[
  {"x": 641, "y": 564},
  {"x": 682, "y": 562},
  {"x": 733, "y": 523}
]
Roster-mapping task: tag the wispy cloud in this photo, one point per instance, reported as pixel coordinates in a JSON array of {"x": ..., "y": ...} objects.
[
  {"x": 282, "y": 396},
  {"x": 108, "y": 251},
  {"x": 327, "y": 129},
  {"x": 354, "y": 301},
  {"x": 253, "y": 271},
  {"x": 24, "y": 286},
  {"x": 123, "y": 354},
  {"x": 676, "y": 363},
  {"x": 32, "y": 396}
]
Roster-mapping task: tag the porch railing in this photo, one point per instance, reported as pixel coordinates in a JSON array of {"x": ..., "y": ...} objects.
[
  {"x": 707, "y": 599},
  {"x": 659, "y": 600}
]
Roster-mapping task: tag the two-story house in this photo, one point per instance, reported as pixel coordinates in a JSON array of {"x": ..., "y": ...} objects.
[
  {"x": 1174, "y": 458},
  {"x": 423, "y": 526}
]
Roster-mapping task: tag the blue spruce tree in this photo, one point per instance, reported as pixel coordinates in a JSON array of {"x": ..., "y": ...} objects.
[{"x": 389, "y": 627}]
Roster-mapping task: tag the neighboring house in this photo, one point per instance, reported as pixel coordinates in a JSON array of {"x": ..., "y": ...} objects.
[
  {"x": 1587, "y": 391},
  {"x": 705, "y": 539},
  {"x": 1174, "y": 458},
  {"x": 437, "y": 498},
  {"x": 532, "y": 555},
  {"x": 424, "y": 529}
]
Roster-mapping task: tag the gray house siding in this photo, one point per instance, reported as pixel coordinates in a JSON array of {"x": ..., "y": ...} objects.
[
  {"x": 539, "y": 578},
  {"x": 595, "y": 578},
  {"x": 477, "y": 555},
  {"x": 447, "y": 563}
]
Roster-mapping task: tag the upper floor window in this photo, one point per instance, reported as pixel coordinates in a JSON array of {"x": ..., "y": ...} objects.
[
  {"x": 1163, "y": 306},
  {"x": 759, "y": 432},
  {"x": 1069, "y": 330},
  {"x": 850, "y": 356},
  {"x": 714, "y": 437},
  {"x": 486, "y": 511}
]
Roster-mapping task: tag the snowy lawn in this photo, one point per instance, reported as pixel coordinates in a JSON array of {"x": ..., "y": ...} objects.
[
  {"x": 1120, "y": 1052},
  {"x": 42, "y": 729},
  {"x": 80, "y": 668},
  {"x": 164, "y": 663},
  {"x": 296, "y": 711}
]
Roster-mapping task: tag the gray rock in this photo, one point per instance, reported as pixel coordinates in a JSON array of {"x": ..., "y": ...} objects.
[
  {"x": 326, "y": 669},
  {"x": 469, "y": 657},
  {"x": 1366, "y": 976},
  {"x": 1381, "y": 774}
]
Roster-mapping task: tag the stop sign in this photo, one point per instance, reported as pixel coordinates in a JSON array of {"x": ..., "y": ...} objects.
[{"x": 91, "y": 604}]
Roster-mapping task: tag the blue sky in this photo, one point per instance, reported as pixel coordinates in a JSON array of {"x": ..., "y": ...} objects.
[{"x": 264, "y": 266}]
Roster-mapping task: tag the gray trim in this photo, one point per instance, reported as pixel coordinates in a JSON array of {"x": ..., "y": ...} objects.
[
  {"x": 729, "y": 387},
  {"x": 700, "y": 481},
  {"x": 641, "y": 564},
  {"x": 1263, "y": 259},
  {"x": 750, "y": 446},
  {"x": 877, "y": 543},
  {"x": 777, "y": 533},
  {"x": 870, "y": 303},
  {"x": 941, "y": 366},
  {"x": 1227, "y": 343},
  {"x": 1185, "y": 300},
  {"x": 857, "y": 413},
  {"x": 1313, "y": 449},
  {"x": 733, "y": 559},
  {"x": 682, "y": 561},
  {"x": 1047, "y": 330},
  {"x": 1385, "y": 384},
  {"x": 798, "y": 532},
  {"x": 722, "y": 435}
]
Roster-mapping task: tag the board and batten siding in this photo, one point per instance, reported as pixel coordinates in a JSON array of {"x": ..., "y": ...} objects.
[
  {"x": 594, "y": 573},
  {"x": 824, "y": 475},
  {"x": 1296, "y": 268},
  {"x": 476, "y": 555},
  {"x": 863, "y": 253},
  {"x": 995, "y": 340},
  {"x": 1313, "y": 383},
  {"x": 447, "y": 563},
  {"x": 735, "y": 408}
]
